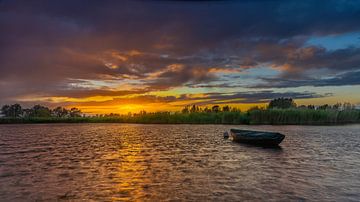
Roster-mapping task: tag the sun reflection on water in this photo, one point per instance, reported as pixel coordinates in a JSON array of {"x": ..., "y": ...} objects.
[{"x": 131, "y": 174}]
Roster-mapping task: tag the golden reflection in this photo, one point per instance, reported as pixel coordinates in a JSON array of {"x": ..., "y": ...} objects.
[{"x": 130, "y": 170}]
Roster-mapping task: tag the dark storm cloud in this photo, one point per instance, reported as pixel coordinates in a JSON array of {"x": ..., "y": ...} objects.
[
  {"x": 348, "y": 78},
  {"x": 297, "y": 62},
  {"x": 44, "y": 44},
  {"x": 255, "y": 97},
  {"x": 209, "y": 98},
  {"x": 83, "y": 93}
]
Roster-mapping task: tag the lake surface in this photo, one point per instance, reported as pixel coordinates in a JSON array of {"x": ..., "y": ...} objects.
[{"x": 105, "y": 162}]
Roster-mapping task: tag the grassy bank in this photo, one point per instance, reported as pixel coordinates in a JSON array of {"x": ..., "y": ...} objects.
[
  {"x": 297, "y": 116},
  {"x": 294, "y": 116},
  {"x": 150, "y": 118}
]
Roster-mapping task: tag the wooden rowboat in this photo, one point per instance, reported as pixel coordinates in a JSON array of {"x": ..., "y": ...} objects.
[{"x": 257, "y": 137}]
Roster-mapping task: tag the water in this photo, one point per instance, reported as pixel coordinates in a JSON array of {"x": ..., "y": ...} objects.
[{"x": 105, "y": 162}]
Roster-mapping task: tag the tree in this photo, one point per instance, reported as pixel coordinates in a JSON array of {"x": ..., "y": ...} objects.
[
  {"x": 27, "y": 112},
  {"x": 60, "y": 112},
  {"x": 40, "y": 111},
  {"x": 194, "y": 109},
  {"x": 207, "y": 110},
  {"x": 5, "y": 110},
  {"x": 282, "y": 103},
  {"x": 75, "y": 112},
  {"x": 185, "y": 110},
  {"x": 13, "y": 111},
  {"x": 226, "y": 108},
  {"x": 216, "y": 108}
]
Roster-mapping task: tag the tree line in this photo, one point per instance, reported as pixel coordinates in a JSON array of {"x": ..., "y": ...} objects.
[
  {"x": 286, "y": 103},
  {"x": 278, "y": 111},
  {"x": 16, "y": 111}
]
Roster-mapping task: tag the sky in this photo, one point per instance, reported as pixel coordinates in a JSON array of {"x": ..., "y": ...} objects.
[{"x": 113, "y": 56}]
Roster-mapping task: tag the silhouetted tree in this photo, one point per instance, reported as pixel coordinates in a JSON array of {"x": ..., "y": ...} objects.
[
  {"x": 13, "y": 111},
  {"x": 60, "y": 112},
  {"x": 193, "y": 109},
  {"x": 207, "y": 110},
  {"x": 226, "y": 109},
  {"x": 216, "y": 108},
  {"x": 40, "y": 111},
  {"x": 75, "y": 112},
  {"x": 185, "y": 110},
  {"x": 5, "y": 110},
  {"x": 282, "y": 103}
]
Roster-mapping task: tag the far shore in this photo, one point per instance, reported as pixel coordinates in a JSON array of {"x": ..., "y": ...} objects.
[{"x": 280, "y": 111}]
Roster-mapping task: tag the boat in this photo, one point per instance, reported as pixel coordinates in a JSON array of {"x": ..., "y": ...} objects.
[{"x": 257, "y": 137}]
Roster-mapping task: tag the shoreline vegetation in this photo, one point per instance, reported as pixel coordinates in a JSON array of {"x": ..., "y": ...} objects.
[{"x": 281, "y": 111}]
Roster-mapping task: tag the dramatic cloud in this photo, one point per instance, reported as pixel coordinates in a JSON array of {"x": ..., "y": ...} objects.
[
  {"x": 349, "y": 78},
  {"x": 130, "y": 48},
  {"x": 210, "y": 98},
  {"x": 254, "y": 97}
]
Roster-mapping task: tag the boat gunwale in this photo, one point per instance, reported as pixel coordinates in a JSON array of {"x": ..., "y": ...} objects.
[{"x": 257, "y": 137}]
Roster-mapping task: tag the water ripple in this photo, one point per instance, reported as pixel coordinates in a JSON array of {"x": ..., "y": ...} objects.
[{"x": 106, "y": 162}]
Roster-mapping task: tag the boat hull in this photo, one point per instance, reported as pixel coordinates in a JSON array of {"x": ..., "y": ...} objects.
[{"x": 257, "y": 137}]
